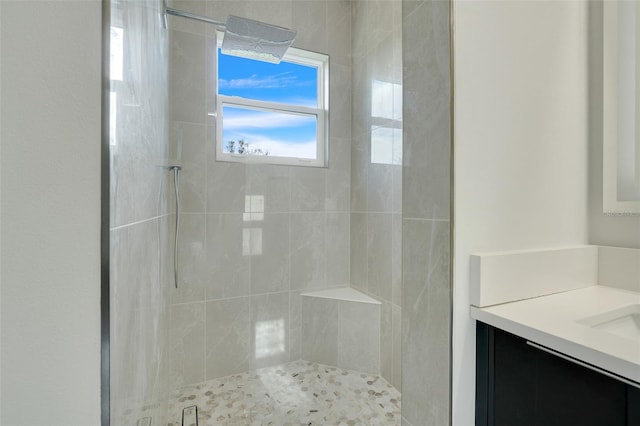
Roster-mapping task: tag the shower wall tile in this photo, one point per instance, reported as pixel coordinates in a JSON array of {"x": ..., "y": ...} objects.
[
  {"x": 339, "y": 18},
  {"x": 270, "y": 329},
  {"x": 228, "y": 256},
  {"x": 426, "y": 322},
  {"x": 121, "y": 270},
  {"x": 361, "y": 95},
  {"x": 396, "y": 259},
  {"x": 307, "y": 189},
  {"x": 192, "y": 259},
  {"x": 197, "y": 7},
  {"x": 386, "y": 341},
  {"x": 226, "y": 185},
  {"x": 359, "y": 33},
  {"x": 396, "y": 330},
  {"x": 383, "y": 54},
  {"x": 426, "y": 185},
  {"x": 273, "y": 184},
  {"x": 295, "y": 325},
  {"x": 379, "y": 254},
  {"x": 397, "y": 186},
  {"x": 166, "y": 231},
  {"x": 211, "y": 79},
  {"x": 320, "y": 330},
  {"x": 189, "y": 150},
  {"x": 379, "y": 188},
  {"x": 360, "y": 156},
  {"x": 188, "y": 75},
  {"x": 312, "y": 16},
  {"x": 187, "y": 343},
  {"x": 408, "y": 6},
  {"x": 124, "y": 336},
  {"x": 308, "y": 250},
  {"x": 359, "y": 336},
  {"x": 270, "y": 261},
  {"x": 228, "y": 337},
  {"x": 136, "y": 180},
  {"x": 380, "y": 19},
  {"x": 358, "y": 250},
  {"x": 140, "y": 374},
  {"x": 337, "y": 245},
  {"x": 136, "y": 266},
  {"x": 427, "y": 156},
  {"x": 276, "y": 12},
  {"x": 338, "y": 176},
  {"x": 340, "y": 101}
]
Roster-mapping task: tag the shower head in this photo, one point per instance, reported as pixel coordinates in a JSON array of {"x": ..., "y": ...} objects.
[
  {"x": 244, "y": 37},
  {"x": 256, "y": 40}
]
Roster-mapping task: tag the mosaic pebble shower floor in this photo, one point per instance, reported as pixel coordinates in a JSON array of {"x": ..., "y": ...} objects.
[{"x": 296, "y": 393}]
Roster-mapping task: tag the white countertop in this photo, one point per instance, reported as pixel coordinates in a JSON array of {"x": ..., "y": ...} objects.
[{"x": 551, "y": 321}]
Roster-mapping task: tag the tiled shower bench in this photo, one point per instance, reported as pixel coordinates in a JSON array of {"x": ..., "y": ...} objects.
[{"x": 341, "y": 327}]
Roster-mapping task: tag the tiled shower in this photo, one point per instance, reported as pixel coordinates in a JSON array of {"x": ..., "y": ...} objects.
[{"x": 254, "y": 238}]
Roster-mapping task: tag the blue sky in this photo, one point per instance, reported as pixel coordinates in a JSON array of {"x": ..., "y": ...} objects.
[{"x": 279, "y": 133}]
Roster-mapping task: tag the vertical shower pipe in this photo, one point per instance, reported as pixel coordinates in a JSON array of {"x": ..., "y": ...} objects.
[{"x": 176, "y": 170}]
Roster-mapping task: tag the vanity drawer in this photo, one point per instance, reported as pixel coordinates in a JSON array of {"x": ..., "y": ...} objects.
[{"x": 519, "y": 384}]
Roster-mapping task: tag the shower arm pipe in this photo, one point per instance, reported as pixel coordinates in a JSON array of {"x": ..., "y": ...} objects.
[{"x": 189, "y": 15}]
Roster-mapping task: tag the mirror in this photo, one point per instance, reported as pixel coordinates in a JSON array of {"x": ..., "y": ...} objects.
[{"x": 621, "y": 96}]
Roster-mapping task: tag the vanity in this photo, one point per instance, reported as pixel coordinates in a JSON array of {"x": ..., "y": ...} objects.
[{"x": 557, "y": 337}]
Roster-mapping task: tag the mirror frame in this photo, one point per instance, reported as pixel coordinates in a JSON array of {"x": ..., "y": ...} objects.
[{"x": 611, "y": 205}]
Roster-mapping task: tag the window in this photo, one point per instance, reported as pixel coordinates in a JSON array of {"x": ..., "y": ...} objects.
[{"x": 273, "y": 113}]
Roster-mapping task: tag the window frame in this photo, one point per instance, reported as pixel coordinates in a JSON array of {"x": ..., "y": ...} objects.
[{"x": 321, "y": 113}]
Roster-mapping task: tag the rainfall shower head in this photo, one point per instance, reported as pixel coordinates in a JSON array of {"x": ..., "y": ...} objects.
[
  {"x": 245, "y": 37},
  {"x": 256, "y": 40}
]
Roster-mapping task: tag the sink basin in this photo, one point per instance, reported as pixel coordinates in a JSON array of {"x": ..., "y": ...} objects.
[{"x": 624, "y": 322}]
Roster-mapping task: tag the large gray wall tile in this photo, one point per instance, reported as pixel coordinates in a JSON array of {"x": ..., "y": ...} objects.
[
  {"x": 192, "y": 259},
  {"x": 359, "y": 336},
  {"x": 229, "y": 267},
  {"x": 189, "y": 142},
  {"x": 226, "y": 184},
  {"x": 386, "y": 342},
  {"x": 188, "y": 73},
  {"x": 228, "y": 337},
  {"x": 337, "y": 249},
  {"x": 270, "y": 265},
  {"x": 187, "y": 343},
  {"x": 269, "y": 329},
  {"x": 426, "y": 322},
  {"x": 320, "y": 330},
  {"x": 307, "y": 250},
  {"x": 359, "y": 250},
  {"x": 379, "y": 238}
]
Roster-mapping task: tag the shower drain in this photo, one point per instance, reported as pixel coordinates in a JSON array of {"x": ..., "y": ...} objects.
[{"x": 190, "y": 416}]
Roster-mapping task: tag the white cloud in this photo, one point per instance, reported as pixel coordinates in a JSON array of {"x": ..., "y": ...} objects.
[
  {"x": 287, "y": 79},
  {"x": 265, "y": 120}
]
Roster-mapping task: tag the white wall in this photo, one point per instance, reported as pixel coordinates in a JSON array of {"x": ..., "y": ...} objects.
[
  {"x": 50, "y": 212},
  {"x": 520, "y": 144}
]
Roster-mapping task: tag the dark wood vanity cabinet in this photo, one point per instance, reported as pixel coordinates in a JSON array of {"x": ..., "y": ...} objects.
[{"x": 520, "y": 385}]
